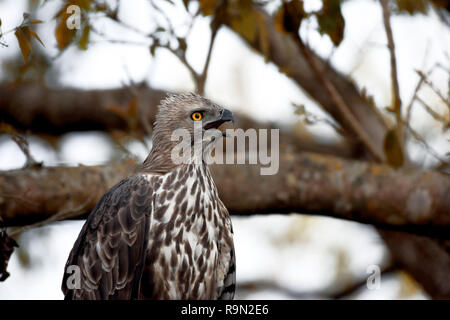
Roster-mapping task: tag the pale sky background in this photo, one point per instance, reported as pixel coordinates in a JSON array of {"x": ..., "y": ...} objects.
[{"x": 299, "y": 252}]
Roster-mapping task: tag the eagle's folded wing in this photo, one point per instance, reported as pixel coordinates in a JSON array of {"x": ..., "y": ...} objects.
[
  {"x": 110, "y": 250},
  {"x": 229, "y": 283}
]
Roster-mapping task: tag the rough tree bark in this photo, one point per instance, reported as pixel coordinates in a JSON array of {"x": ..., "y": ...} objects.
[
  {"x": 410, "y": 200},
  {"x": 39, "y": 109}
]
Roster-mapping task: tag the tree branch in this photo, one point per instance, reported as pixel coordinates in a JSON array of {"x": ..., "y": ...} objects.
[
  {"x": 412, "y": 201},
  {"x": 284, "y": 52},
  {"x": 397, "y": 103},
  {"x": 338, "y": 100},
  {"x": 36, "y": 108},
  {"x": 56, "y": 111},
  {"x": 202, "y": 77}
]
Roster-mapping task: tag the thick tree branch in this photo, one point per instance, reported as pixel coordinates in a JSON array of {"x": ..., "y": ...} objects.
[
  {"x": 426, "y": 259},
  {"x": 309, "y": 183},
  {"x": 285, "y": 53},
  {"x": 338, "y": 100},
  {"x": 55, "y": 111},
  {"x": 39, "y": 109}
]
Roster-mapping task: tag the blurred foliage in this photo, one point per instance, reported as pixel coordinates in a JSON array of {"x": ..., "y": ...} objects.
[
  {"x": 241, "y": 15},
  {"x": 420, "y": 6},
  {"x": 331, "y": 21},
  {"x": 24, "y": 35},
  {"x": 289, "y": 16},
  {"x": 65, "y": 35}
]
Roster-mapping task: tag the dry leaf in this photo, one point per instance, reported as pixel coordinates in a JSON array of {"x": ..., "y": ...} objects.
[
  {"x": 84, "y": 37},
  {"x": 24, "y": 35},
  {"x": 207, "y": 7},
  {"x": 64, "y": 35},
  {"x": 331, "y": 21},
  {"x": 24, "y": 38}
]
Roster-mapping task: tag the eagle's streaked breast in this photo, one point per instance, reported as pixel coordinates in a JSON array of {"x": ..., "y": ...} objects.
[{"x": 185, "y": 260}]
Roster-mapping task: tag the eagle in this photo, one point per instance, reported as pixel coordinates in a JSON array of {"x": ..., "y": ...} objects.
[{"x": 163, "y": 232}]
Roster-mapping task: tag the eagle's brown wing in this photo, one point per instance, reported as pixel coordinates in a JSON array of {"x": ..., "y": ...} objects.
[{"x": 110, "y": 250}]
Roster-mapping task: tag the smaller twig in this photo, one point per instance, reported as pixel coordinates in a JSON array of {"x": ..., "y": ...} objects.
[
  {"x": 202, "y": 78},
  {"x": 125, "y": 25},
  {"x": 61, "y": 215},
  {"x": 436, "y": 116},
  {"x": 413, "y": 98},
  {"x": 432, "y": 87},
  {"x": 425, "y": 144},
  {"x": 397, "y": 103},
  {"x": 341, "y": 104},
  {"x": 170, "y": 27},
  {"x": 23, "y": 145},
  {"x": 116, "y": 41},
  {"x": 311, "y": 118},
  {"x": 179, "y": 52},
  {"x": 182, "y": 57}
]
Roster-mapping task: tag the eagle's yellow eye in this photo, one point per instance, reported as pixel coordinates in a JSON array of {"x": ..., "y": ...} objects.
[{"x": 196, "y": 116}]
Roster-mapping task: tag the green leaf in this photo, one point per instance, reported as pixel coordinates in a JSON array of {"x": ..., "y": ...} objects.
[
  {"x": 393, "y": 149},
  {"x": 331, "y": 21}
]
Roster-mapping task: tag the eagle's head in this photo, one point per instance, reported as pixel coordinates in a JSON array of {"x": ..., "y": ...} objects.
[
  {"x": 189, "y": 112},
  {"x": 184, "y": 111}
]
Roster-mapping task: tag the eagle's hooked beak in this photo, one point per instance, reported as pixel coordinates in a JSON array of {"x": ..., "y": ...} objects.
[{"x": 225, "y": 116}]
